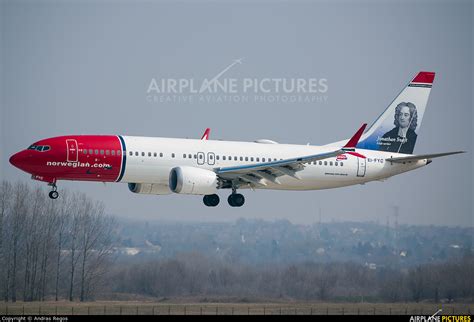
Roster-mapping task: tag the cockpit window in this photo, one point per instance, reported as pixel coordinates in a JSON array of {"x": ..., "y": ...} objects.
[{"x": 40, "y": 148}]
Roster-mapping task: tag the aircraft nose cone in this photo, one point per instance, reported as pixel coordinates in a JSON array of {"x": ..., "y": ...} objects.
[{"x": 18, "y": 159}]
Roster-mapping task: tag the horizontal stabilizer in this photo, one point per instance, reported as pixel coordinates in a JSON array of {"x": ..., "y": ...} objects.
[{"x": 421, "y": 157}]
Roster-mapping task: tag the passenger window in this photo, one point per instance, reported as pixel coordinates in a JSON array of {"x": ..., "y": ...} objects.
[
  {"x": 195, "y": 156},
  {"x": 184, "y": 155},
  {"x": 143, "y": 154},
  {"x": 342, "y": 164},
  {"x": 90, "y": 151},
  {"x": 241, "y": 159},
  {"x": 113, "y": 152},
  {"x": 223, "y": 157},
  {"x": 330, "y": 163},
  {"x": 161, "y": 154},
  {"x": 136, "y": 154},
  {"x": 335, "y": 163},
  {"x": 211, "y": 157},
  {"x": 235, "y": 158},
  {"x": 251, "y": 158},
  {"x": 149, "y": 154},
  {"x": 217, "y": 157},
  {"x": 190, "y": 156},
  {"x": 84, "y": 151},
  {"x": 200, "y": 156},
  {"x": 172, "y": 155},
  {"x": 325, "y": 163},
  {"x": 263, "y": 159},
  {"x": 154, "y": 154},
  {"x": 119, "y": 152},
  {"x": 320, "y": 162},
  {"x": 107, "y": 152},
  {"x": 101, "y": 152},
  {"x": 96, "y": 152},
  {"x": 131, "y": 153}
]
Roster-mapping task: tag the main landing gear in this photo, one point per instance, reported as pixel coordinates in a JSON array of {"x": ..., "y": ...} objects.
[
  {"x": 211, "y": 200},
  {"x": 54, "y": 194},
  {"x": 234, "y": 200}
]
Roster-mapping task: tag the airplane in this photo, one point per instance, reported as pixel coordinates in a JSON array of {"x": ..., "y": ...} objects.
[{"x": 159, "y": 166}]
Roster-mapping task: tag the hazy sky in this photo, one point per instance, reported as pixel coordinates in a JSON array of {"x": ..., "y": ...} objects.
[{"x": 84, "y": 67}]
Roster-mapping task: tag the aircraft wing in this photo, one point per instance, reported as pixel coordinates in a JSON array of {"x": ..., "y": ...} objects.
[
  {"x": 421, "y": 157},
  {"x": 259, "y": 173}
]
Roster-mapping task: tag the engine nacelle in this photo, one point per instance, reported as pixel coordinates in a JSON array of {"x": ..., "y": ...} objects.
[
  {"x": 193, "y": 181},
  {"x": 149, "y": 188}
]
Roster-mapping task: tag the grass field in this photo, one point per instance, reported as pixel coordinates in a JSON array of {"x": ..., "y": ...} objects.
[{"x": 153, "y": 308}]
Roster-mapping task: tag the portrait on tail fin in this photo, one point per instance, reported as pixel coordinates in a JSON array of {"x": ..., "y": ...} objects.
[
  {"x": 402, "y": 138},
  {"x": 406, "y": 112}
]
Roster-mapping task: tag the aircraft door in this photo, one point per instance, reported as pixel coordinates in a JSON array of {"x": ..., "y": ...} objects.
[
  {"x": 201, "y": 158},
  {"x": 211, "y": 158},
  {"x": 72, "y": 152},
  {"x": 361, "y": 167}
]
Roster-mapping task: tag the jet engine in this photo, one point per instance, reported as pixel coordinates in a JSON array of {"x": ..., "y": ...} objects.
[
  {"x": 193, "y": 181},
  {"x": 149, "y": 188}
]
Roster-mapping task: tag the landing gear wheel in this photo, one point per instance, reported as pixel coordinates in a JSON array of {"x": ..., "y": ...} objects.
[
  {"x": 236, "y": 200},
  {"x": 53, "y": 194},
  {"x": 211, "y": 200}
]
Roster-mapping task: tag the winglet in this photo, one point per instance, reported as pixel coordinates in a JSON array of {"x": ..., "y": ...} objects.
[
  {"x": 351, "y": 144},
  {"x": 205, "y": 136}
]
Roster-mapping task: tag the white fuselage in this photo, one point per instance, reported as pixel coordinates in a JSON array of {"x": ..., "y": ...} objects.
[{"x": 149, "y": 160}]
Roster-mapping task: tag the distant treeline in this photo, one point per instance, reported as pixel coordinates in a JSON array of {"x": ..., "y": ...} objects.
[
  {"x": 195, "y": 275},
  {"x": 256, "y": 242},
  {"x": 66, "y": 249},
  {"x": 51, "y": 248}
]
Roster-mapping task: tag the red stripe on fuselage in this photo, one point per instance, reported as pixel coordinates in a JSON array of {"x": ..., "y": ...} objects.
[{"x": 76, "y": 157}]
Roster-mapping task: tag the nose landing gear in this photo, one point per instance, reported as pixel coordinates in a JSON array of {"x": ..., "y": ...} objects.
[{"x": 54, "y": 194}]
